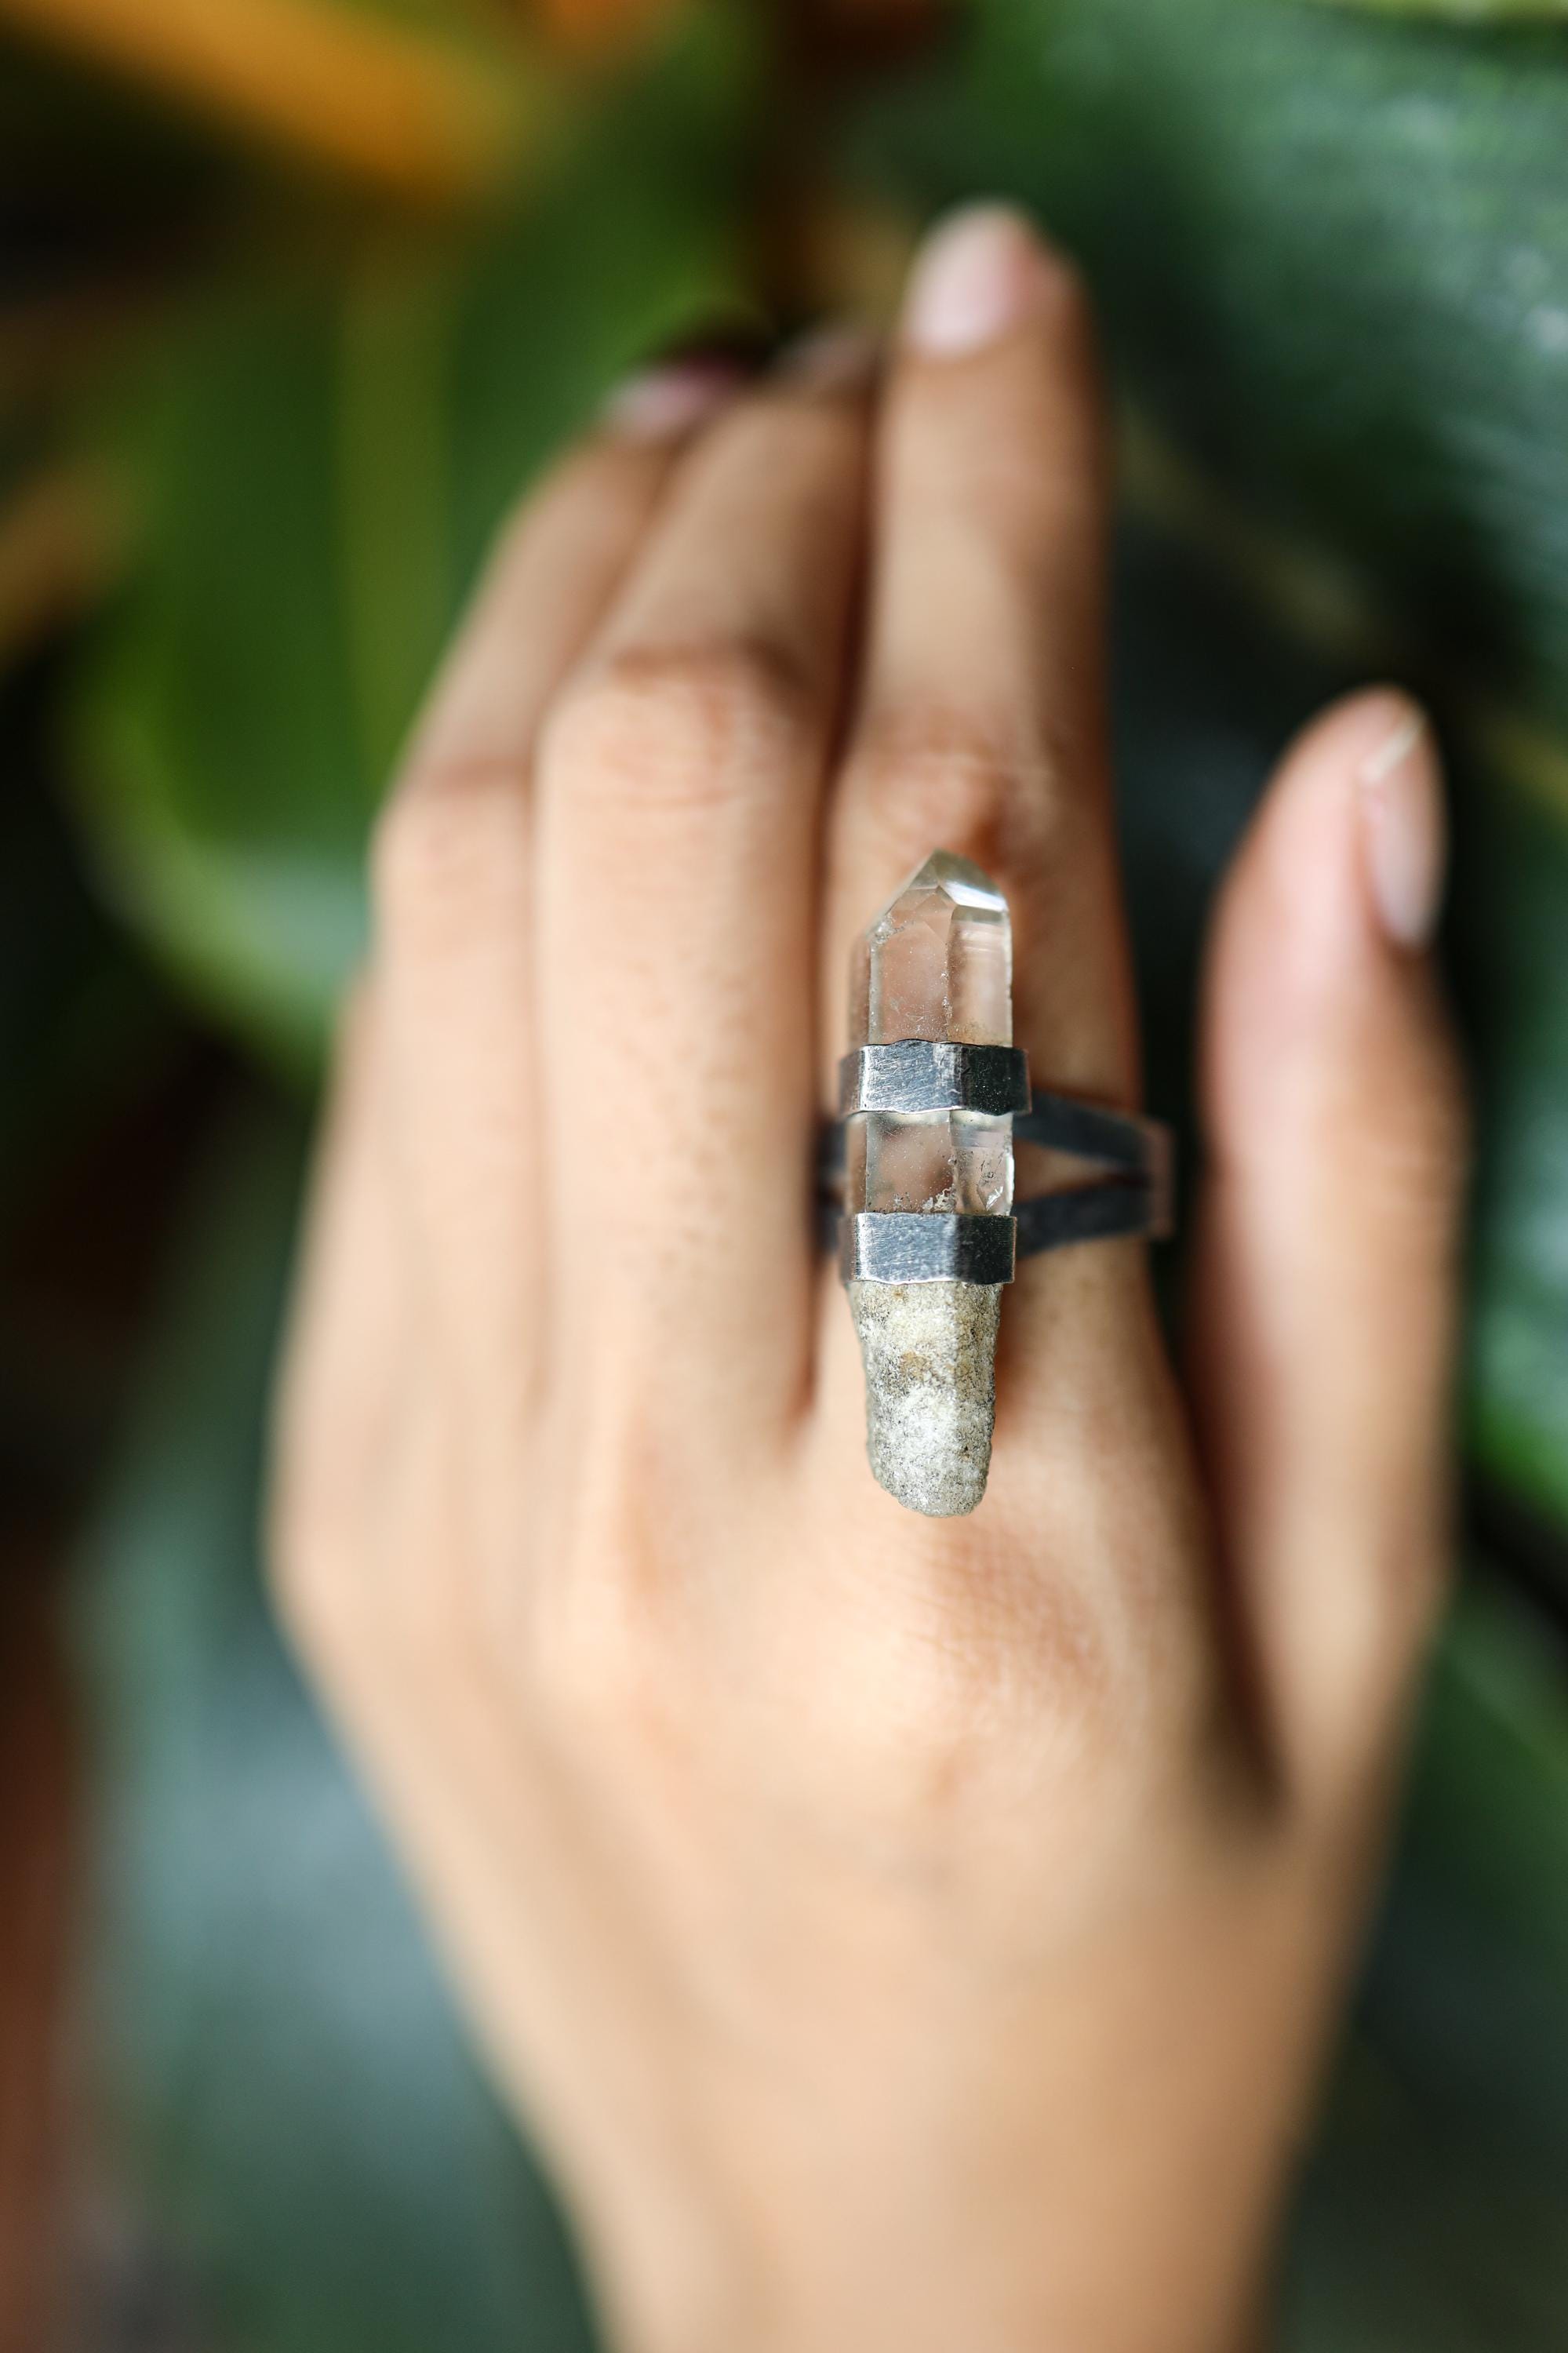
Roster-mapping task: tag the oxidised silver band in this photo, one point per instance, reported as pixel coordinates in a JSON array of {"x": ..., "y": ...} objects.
[
  {"x": 1136, "y": 1147},
  {"x": 924, "y": 1246},
  {"x": 916, "y": 1074},
  {"x": 897, "y": 1246}
]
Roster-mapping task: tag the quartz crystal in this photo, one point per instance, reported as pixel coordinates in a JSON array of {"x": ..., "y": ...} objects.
[{"x": 937, "y": 962}]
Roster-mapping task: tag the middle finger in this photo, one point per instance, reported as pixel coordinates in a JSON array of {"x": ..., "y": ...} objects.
[
  {"x": 980, "y": 726},
  {"x": 679, "y": 792}
]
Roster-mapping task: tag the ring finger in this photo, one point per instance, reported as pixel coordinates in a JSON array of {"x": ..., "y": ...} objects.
[
  {"x": 680, "y": 788},
  {"x": 980, "y": 721}
]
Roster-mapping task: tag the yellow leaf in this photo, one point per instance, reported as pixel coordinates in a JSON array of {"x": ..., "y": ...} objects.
[
  {"x": 60, "y": 538},
  {"x": 374, "y": 100},
  {"x": 598, "y": 27}
]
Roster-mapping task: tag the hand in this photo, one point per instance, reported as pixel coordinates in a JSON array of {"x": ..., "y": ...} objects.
[{"x": 900, "y": 1932}]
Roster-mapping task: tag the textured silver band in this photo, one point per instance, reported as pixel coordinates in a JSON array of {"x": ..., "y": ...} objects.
[
  {"x": 899, "y": 1246},
  {"x": 918, "y": 1074}
]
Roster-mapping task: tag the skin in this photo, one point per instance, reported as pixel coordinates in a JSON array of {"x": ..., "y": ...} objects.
[{"x": 898, "y": 1933}]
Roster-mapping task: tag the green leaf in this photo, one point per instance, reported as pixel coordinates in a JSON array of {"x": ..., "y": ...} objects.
[
  {"x": 1512, "y": 921},
  {"x": 1461, "y": 12},
  {"x": 1432, "y": 2219},
  {"x": 1332, "y": 252},
  {"x": 289, "y": 2083},
  {"x": 80, "y": 1019},
  {"x": 322, "y": 461}
]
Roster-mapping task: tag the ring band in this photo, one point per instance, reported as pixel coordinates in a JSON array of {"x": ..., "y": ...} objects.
[
  {"x": 917, "y": 1075},
  {"x": 917, "y": 1190},
  {"x": 905, "y": 1246}
]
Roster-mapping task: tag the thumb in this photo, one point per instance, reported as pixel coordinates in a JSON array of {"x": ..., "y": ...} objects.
[{"x": 1324, "y": 1304}]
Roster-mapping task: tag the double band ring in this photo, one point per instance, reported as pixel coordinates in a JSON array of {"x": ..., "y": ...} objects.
[{"x": 915, "y": 1179}]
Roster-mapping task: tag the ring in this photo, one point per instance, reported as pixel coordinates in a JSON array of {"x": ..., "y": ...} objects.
[{"x": 917, "y": 1176}]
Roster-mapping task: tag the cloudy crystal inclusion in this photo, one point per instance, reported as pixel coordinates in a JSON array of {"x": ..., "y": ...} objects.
[{"x": 935, "y": 962}]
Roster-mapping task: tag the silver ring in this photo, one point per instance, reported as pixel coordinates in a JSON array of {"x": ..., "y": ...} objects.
[
  {"x": 895, "y": 1246},
  {"x": 908, "y": 1246},
  {"x": 918, "y": 1176},
  {"x": 916, "y": 1074}
]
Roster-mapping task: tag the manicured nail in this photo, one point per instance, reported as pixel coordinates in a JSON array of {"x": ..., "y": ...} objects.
[
  {"x": 661, "y": 404},
  {"x": 980, "y": 273},
  {"x": 842, "y": 357},
  {"x": 1405, "y": 830}
]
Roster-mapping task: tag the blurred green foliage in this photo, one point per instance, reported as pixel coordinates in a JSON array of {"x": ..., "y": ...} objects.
[
  {"x": 320, "y": 459},
  {"x": 1330, "y": 244}
]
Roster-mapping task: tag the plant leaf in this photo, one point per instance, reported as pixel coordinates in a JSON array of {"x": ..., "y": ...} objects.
[
  {"x": 321, "y": 463},
  {"x": 383, "y": 93},
  {"x": 1431, "y": 2217},
  {"x": 1462, "y": 12},
  {"x": 1512, "y": 893},
  {"x": 281, "y": 2053},
  {"x": 1332, "y": 253}
]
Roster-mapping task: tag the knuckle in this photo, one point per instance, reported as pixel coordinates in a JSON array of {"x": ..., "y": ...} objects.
[
  {"x": 789, "y": 436},
  {"x": 607, "y": 1643},
  {"x": 1405, "y": 1601},
  {"x": 1419, "y": 1171},
  {"x": 682, "y": 726},
  {"x": 312, "y": 1564},
  {"x": 944, "y": 1714},
  {"x": 1410, "y": 1155},
  {"x": 450, "y": 846},
  {"x": 933, "y": 775},
  {"x": 1428, "y": 1156},
  {"x": 1355, "y": 1688},
  {"x": 591, "y": 1661},
  {"x": 933, "y": 1726}
]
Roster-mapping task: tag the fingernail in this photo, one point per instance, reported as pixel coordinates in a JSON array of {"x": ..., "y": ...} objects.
[
  {"x": 1405, "y": 830},
  {"x": 841, "y": 356},
  {"x": 980, "y": 273},
  {"x": 661, "y": 404}
]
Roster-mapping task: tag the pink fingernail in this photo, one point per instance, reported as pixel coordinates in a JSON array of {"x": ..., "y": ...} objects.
[
  {"x": 1405, "y": 830},
  {"x": 661, "y": 404},
  {"x": 980, "y": 273}
]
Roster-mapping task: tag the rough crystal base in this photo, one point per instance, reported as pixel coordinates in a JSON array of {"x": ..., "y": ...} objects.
[{"x": 929, "y": 1351}]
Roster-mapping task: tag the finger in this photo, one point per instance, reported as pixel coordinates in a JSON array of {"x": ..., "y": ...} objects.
[
  {"x": 1326, "y": 1278},
  {"x": 980, "y": 724},
  {"x": 680, "y": 788},
  {"x": 453, "y": 888},
  {"x": 981, "y": 720},
  {"x": 546, "y": 583},
  {"x": 347, "y": 1339}
]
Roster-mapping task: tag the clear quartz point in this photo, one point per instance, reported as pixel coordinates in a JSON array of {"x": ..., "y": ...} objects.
[{"x": 935, "y": 962}]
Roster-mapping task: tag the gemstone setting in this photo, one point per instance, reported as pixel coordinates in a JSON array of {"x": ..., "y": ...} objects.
[{"x": 934, "y": 966}]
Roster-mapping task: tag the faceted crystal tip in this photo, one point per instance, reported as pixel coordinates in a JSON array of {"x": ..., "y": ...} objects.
[
  {"x": 936, "y": 962},
  {"x": 965, "y": 883}
]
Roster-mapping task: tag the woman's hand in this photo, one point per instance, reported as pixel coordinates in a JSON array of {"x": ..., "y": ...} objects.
[{"x": 900, "y": 1932}]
